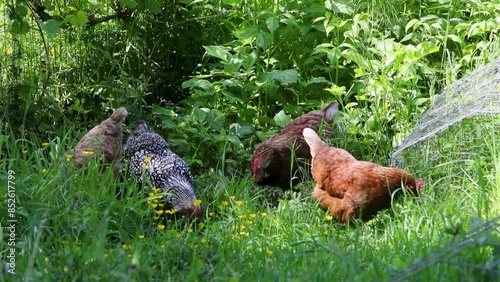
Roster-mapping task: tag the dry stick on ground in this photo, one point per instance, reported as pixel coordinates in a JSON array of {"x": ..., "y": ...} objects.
[{"x": 452, "y": 249}]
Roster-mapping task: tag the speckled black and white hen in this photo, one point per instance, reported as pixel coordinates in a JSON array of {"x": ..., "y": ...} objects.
[{"x": 149, "y": 154}]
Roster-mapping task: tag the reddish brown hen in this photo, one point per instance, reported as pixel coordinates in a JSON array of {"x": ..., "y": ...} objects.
[
  {"x": 352, "y": 188},
  {"x": 272, "y": 160},
  {"x": 104, "y": 140}
]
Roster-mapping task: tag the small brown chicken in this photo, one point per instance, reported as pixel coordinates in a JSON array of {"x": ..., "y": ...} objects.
[
  {"x": 352, "y": 188},
  {"x": 272, "y": 160},
  {"x": 104, "y": 140}
]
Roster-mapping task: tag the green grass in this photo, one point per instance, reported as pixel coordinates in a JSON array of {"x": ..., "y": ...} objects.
[{"x": 71, "y": 227}]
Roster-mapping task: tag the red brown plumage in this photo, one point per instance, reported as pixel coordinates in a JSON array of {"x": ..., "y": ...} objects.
[
  {"x": 272, "y": 159},
  {"x": 352, "y": 188}
]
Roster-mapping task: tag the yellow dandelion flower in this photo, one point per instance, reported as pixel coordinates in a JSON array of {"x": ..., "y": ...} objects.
[
  {"x": 269, "y": 252},
  {"x": 45, "y": 144},
  {"x": 69, "y": 157},
  {"x": 88, "y": 153},
  {"x": 210, "y": 214},
  {"x": 126, "y": 247},
  {"x": 242, "y": 227},
  {"x": 325, "y": 232},
  {"x": 145, "y": 167},
  {"x": 160, "y": 205},
  {"x": 242, "y": 232},
  {"x": 225, "y": 203},
  {"x": 177, "y": 235},
  {"x": 201, "y": 225},
  {"x": 240, "y": 216},
  {"x": 24, "y": 152},
  {"x": 159, "y": 212},
  {"x": 151, "y": 194},
  {"x": 263, "y": 214},
  {"x": 8, "y": 51},
  {"x": 160, "y": 226},
  {"x": 44, "y": 170},
  {"x": 203, "y": 240},
  {"x": 156, "y": 217},
  {"x": 155, "y": 190},
  {"x": 248, "y": 222},
  {"x": 451, "y": 185},
  {"x": 153, "y": 205},
  {"x": 252, "y": 215},
  {"x": 232, "y": 197},
  {"x": 147, "y": 159},
  {"x": 141, "y": 236},
  {"x": 162, "y": 246},
  {"x": 172, "y": 211},
  {"x": 196, "y": 202},
  {"x": 189, "y": 230},
  {"x": 328, "y": 217},
  {"x": 239, "y": 202}
]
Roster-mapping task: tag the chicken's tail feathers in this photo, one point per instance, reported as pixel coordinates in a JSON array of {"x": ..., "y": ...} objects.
[
  {"x": 141, "y": 127},
  {"x": 119, "y": 114},
  {"x": 313, "y": 141},
  {"x": 330, "y": 111}
]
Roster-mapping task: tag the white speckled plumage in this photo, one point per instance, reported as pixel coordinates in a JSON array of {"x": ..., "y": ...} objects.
[{"x": 150, "y": 155}]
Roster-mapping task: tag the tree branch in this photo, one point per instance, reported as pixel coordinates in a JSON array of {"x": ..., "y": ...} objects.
[{"x": 39, "y": 10}]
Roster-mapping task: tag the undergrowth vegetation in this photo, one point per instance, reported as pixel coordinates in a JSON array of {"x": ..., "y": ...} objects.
[{"x": 216, "y": 78}]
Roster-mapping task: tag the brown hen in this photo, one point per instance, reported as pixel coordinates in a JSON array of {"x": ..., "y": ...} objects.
[
  {"x": 274, "y": 162},
  {"x": 352, "y": 188},
  {"x": 104, "y": 140}
]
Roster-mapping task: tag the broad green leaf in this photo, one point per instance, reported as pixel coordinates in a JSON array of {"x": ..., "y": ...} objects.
[
  {"x": 168, "y": 123},
  {"x": 323, "y": 48},
  {"x": 247, "y": 33},
  {"x": 283, "y": 77},
  {"x": 218, "y": 52},
  {"x": 201, "y": 83},
  {"x": 289, "y": 19},
  {"x": 19, "y": 27},
  {"x": 163, "y": 111},
  {"x": 272, "y": 23},
  {"x": 339, "y": 7},
  {"x": 51, "y": 27},
  {"x": 154, "y": 6},
  {"x": 235, "y": 140},
  {"x": 21, "y": 11},
  {"x": 78, "y": 19},
  {"x": 249, "y": 61},
  {"x": 199, "y": 115},
  {"x": 415, "y": 23},
  {"x": 334, "y": 55},
  {"x": 245, "y": 129},
  {"x": 231, "y": 98},
  {"x": 429, "y": 48},
  {"x": 281, "y": 119},
  {"x": 129, "y": 3},
  {"x": 264, "y": 40}
]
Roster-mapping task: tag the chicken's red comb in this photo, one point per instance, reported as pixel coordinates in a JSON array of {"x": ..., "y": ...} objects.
[{"x": 420, "y": 185}]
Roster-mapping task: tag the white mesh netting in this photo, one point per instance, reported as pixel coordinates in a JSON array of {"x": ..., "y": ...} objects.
[{"x": 464, "y": 114}]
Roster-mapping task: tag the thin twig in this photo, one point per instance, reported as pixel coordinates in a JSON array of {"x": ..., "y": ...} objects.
[{"x": 45, "y": 46}]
